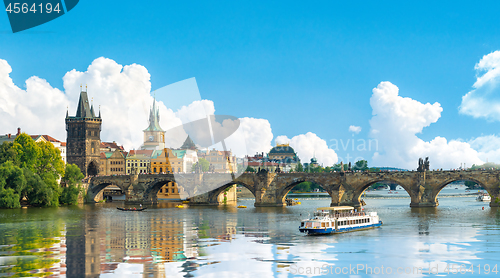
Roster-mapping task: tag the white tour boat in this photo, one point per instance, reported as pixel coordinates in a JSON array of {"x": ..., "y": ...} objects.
[
  {"x": 332, "y": 220},
  {"x": 484, "y": 197}
]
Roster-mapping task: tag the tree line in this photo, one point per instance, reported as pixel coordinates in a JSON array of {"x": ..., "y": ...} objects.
[{"x": 30, "y": 173}]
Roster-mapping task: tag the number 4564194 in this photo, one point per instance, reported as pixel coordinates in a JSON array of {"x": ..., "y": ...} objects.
[{"x": 25, "y": 8}]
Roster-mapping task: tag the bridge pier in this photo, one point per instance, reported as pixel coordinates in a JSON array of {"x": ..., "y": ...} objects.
[{"x": 270, "y": 189}]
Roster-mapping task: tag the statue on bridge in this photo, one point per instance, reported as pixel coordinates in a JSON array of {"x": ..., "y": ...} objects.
[
  {"x": 262, "y": 171},
  {"x": 423, "y": 165},
  {"x": 197, "y": 168}
]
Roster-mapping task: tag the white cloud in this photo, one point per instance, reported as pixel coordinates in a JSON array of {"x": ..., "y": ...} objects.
[
  {"x": 309, "y": 144},
  {"x": 123, "y": 93},
  {"x": 355, "y": 129},
  {"x": 395, "y": 123},
  {"x": 488, "y": 147},
  {"x": 40, "y": 109},
  {"x": 253, "y": 135},
  {"x": 484, "y": 100},
  {"x": 124, "y": 96}
]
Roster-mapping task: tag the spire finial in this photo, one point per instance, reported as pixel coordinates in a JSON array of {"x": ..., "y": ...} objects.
[{"x": 80, "y": 87}]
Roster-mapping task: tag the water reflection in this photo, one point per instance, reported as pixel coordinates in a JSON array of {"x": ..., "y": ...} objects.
[{"x": 164, "y": 241}]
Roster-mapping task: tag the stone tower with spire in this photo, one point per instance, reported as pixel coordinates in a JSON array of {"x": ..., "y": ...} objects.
[
  {"x": 154, "y": 136},
  {"x": 83, "y": 140}
]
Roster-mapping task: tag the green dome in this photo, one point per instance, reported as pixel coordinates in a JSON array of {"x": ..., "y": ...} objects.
[{"x": 282, "y": 149}]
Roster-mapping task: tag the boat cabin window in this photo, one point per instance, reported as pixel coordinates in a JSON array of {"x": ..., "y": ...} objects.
[
  {"x": 301, "y": 224},
  {"x": 321, "y": 213}
]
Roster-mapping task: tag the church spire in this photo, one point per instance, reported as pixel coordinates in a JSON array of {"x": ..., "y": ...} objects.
[
  {"x": 92, "y": 108},
  {"x": 84, "y": 110},
  {"x": 154, "y": 118}
]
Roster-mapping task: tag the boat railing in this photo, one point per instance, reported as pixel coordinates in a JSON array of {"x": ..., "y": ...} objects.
[{"x": 349, "y": 214}]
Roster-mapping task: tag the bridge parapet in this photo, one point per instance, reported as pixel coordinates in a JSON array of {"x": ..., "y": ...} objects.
[{"x": 270, "y": 189}]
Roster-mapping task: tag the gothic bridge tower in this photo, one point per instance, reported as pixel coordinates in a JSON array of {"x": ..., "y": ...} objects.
[{"x": 83, "y": 140}]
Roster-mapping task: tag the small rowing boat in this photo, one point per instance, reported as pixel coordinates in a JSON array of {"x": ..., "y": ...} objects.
[{"x": 131, "y": 209}]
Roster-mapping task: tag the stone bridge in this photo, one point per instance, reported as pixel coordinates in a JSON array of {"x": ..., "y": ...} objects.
[{"x": 270, "y": 189}]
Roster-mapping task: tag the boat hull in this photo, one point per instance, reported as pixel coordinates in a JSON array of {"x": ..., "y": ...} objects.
[
  {"x": 326, "y": 231},
  {"x": 124, "y": 209}
]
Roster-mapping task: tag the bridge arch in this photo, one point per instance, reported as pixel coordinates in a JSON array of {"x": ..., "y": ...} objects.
[
  {"x": 356, "y": 198},
  {"x": 96, "y": 189},
  {"x": 281, "y": 196},
  {"x": 214, "y": 196},
  {"x": 443, "y": 184},
  {"x": 151, "y": 192}
]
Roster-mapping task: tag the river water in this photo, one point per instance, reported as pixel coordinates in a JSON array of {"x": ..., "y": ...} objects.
[{"x": 97, "y": 240}]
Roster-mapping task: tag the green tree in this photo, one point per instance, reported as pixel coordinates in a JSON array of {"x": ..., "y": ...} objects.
[
  {"x": 49, "y": 160},
  {"x": 303, "y": 187},
  {"x": 9, "y": 198},
  {"x": 250, "y": 169},
  {"x": 69, "y": 195},
  {"x": 72, "y": 175},
  {"x": 12, "y": 185},
  {"x": 205, "y": 165},
  {"x": 72, "y": 178},
  {"x": 317, "y": 169},
  {"x": 472, "y": 185},
  {"x": 12, "y": 177},
  {"x": 361, "y": 165},
  {"x": 39, "y": 193},
  {"x": 337, "y": 167},
  {"x": 299, "y": 167},
  {"x": 8, "y": 153},
  {"x": 27, "y": 151}
]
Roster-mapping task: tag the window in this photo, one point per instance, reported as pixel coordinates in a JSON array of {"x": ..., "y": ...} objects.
[{"x": 154, "y": 169}]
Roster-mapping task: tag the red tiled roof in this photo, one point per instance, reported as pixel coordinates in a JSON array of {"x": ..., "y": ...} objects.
[
  {"x": 50, "y": 138},
  {"x": 47, "y": 138},
  {"x": 111, "y": 145}
]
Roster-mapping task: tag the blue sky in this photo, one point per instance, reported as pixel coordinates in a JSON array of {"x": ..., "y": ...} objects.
[{"x": 305, "y": 67}]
